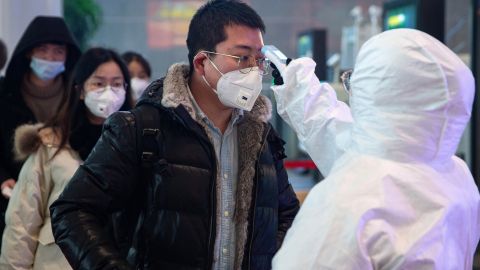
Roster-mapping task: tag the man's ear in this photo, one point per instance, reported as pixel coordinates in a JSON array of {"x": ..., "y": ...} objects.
[{"x": 199, "y": 63}]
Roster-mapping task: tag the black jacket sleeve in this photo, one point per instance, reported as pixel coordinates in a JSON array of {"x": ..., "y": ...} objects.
[
  {"x": 6, "y": 145},
  {"x": 4, "y": 175},
  {"x": 102, "y": 185},
  {"x": 288, "y": 204}
]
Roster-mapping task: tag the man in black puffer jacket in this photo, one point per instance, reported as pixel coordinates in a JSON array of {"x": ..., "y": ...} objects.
[{"x": 219, "y": 197}]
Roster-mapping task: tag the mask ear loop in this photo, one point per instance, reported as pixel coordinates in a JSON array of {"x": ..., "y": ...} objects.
[
  {"x": 213, "y": 64},
  {"x": 205, "y": 80},
  {"x": 203, "y": 76}
]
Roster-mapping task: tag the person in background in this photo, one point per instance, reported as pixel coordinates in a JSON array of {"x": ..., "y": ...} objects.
[
  {"x": 53, "y": 152},
  {"x": 3, "y": 54},
  {"x": 32, "y": 89},
  {"x": 395, "y": 196},
  {"x": 218, "y": 195},
  {"x": 140, "y": 73}
]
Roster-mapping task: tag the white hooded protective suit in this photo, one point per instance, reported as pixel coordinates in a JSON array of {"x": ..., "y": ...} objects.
[{"x": 394, "y": 196}]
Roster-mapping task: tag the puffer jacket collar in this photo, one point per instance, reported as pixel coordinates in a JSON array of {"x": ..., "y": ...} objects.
[{"x": 252, "y": 130}]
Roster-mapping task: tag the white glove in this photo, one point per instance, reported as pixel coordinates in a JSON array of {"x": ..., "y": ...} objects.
[{"x": 311, "y": 108}]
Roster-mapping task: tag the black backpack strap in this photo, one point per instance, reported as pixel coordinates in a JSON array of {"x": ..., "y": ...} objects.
[{"x": 147, "y": 119}]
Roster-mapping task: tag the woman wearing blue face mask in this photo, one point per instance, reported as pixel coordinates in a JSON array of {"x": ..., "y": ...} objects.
[
  {"x": 32, "y": 88},
  {"x": 53, "y": 152}
]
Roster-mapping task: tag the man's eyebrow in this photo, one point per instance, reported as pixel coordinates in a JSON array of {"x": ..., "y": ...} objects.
[
  {"x": 242, "y": 47},
  {"x": 246, "y": 48}
]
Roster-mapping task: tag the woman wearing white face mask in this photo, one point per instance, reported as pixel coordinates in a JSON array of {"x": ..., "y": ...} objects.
[
  {"x": 54, "y": 151},
  {"x": 140, "y": 73},
  {"x": 102, "y": 85}
]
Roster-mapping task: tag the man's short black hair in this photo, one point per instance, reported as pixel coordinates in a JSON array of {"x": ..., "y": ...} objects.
[{"x": 207, "y": 27}]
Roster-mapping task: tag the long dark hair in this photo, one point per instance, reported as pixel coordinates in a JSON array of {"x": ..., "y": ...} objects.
[{"x": 72, "y": 110}]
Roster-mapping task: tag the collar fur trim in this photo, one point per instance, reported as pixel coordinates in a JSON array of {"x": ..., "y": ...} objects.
[
  {"x": 175, "y": 92},
  {"x": 28, "y": 139}
]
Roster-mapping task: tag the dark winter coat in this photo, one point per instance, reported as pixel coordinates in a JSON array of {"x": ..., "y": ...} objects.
[
  {"x": 180, "y": 219},
  {"x": 13, "y": 109}
]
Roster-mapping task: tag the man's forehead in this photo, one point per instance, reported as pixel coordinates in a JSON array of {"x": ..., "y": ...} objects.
[
  {"x": 244, "y": 39},
  {"x": 242, "y": 32}
]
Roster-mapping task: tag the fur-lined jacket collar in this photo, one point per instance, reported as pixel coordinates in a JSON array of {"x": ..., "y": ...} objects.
[
  {"x": 29, "y": 137},
  {"x": 176, "y": 92}
]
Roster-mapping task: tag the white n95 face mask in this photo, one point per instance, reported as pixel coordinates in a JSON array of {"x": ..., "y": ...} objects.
[
  {"x": 46, "y": 70},
  {"x": 104, "y": 101},
  {"x": 239, "y": 88},
  {"x": 138, "y": 87}
]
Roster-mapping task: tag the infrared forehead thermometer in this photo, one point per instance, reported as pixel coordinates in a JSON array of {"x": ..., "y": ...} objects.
[{"x": 275, "y": 56}]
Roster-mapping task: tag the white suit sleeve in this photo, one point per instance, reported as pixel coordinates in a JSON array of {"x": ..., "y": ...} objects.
[
  {"x": 311, "y": 108},
  {"x": 24, "y": 217}
]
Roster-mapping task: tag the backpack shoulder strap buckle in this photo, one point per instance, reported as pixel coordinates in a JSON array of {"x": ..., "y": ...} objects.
[{"x": 150, "y": 131}]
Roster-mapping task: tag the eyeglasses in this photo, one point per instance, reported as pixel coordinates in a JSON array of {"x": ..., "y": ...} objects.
[
  {"x": 101, "y": 84},
  {"x": 246, "y": 63},
  {"x": 345, "y": 77}
]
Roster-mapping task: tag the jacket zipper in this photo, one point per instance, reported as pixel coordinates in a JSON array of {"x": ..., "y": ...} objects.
[
  {"x": 255, "y": 199},
  {"x": 212, "y": 216}
]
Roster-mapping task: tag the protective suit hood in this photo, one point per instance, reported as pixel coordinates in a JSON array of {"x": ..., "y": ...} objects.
[{"x": 416, "y": 113}]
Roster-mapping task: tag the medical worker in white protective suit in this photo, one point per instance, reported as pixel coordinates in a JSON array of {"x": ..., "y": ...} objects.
[{"x": 394, "y": 196}]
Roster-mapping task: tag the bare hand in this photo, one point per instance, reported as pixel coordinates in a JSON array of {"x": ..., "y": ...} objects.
[{"x": 7, "y": 186}]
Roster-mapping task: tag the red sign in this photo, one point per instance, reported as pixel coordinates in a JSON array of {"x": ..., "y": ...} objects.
[{"x": 168, "y": 21}]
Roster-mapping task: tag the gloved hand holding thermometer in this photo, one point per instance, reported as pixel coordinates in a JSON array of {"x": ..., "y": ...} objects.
[
  {"x": 308, "y": 106},
  {"x": 278, "y": 62}
]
